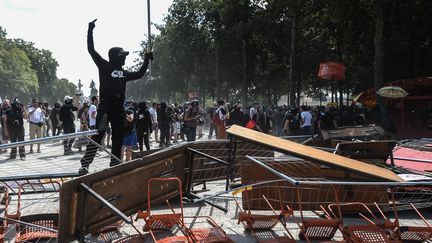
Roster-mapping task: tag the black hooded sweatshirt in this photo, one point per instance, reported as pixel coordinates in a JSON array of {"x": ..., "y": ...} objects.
[{"x": 112, "y": 77}]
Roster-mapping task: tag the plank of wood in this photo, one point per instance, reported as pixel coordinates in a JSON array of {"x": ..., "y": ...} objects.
[{"x": 309, "y": 153}]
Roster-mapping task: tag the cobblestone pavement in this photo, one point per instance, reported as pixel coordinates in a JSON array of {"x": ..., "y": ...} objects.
[{"x": 51, "y": 161}]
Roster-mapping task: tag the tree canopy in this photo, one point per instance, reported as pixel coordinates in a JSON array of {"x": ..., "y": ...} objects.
[
  {"x": 28, "y": 72},
  {"x": 239, "y": 49}
]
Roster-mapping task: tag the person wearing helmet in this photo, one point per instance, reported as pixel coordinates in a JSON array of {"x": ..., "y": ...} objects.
[
  {"x": 67, "y": 120},
  {"x": 112, "y": 86},
  {"x": 55, "y": 119}
]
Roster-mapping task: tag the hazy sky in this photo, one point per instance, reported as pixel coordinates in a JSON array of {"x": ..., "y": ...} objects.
[{"x": 61, "y": 27}]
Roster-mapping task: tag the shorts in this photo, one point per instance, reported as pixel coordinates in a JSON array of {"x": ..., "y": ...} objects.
[
  {"x": 130, "y": 139},
  {"x": 177, "y": 127}
]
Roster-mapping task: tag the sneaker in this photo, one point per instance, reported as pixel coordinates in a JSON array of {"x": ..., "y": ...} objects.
[
  {"x": 83, "y": 170},
  {"x": 38, "y": 151},
  {"x": 68, "y": 152},
  {"x": 23, "y": 157},
  {"x": 12, "y": 157},
  {"x": 31, "y": 151}
]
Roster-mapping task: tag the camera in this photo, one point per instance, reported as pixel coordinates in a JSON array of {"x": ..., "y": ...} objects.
[
  {"x": 16, "y": 105},
  {"x": 200, "y": 119}
]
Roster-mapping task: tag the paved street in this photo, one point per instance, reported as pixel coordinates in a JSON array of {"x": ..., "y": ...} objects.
[{"x": 51, "y": 161}]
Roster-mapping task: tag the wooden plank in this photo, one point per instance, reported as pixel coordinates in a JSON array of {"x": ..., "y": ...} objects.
[
  {"x": 125, "y": 185},
  {"x": 312, "y": 154}
]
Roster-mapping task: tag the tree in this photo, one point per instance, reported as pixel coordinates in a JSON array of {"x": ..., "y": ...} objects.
[
  {"x": 17, "y": 78},
  {"x": 44, "y": 65}
]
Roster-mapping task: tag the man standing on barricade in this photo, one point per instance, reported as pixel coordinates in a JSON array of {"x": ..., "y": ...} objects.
[{"x": 112, "y": 87}]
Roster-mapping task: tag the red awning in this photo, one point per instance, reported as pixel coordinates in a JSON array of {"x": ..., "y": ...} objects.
[{"x": 331, "y": 71}]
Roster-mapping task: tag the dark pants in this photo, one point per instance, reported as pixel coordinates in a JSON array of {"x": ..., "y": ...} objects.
[
  {"x": 212, "y": 128},
  {"x": 15, "y": 135},
  {"x": 116, "y": 118},
  {"x": 191, "y": 134},
  {"x": 143, "y": 135},
  {"x": 165, "y": 134},
  {"x": 306, "y": 130},
  {"x": 55, "y": 129},
  {"x": 67, "y": 143}
]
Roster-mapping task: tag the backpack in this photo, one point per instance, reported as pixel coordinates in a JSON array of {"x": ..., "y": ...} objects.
[
  {"x": 294, "y": 123},
  {"x": 216, "y": 120}
]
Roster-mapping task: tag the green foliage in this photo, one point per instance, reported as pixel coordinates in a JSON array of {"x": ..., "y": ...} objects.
[
  {"x": 63, "y": 87},
  {"x": 237, "y": 49},
  {"x": 17, "y": 78},
  {"x": 28, "y": 72}
]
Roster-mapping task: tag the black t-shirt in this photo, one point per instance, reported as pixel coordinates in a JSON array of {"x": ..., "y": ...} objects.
[
  {"x": 294, "y": 121},
  {"x": 53, "y": 115},
  {"x": 129, "y": 125},
  {"x": 14, "y": 118},
  {"x": 327, "y": 121},
  {"x": 143, "y": 120},
  {"x": 67, "y": 116}
]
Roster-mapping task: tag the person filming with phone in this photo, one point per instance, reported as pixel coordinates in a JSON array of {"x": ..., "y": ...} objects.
[{"x": 112, "y": 87}]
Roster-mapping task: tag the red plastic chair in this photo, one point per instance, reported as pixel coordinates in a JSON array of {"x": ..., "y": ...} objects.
[
  {"x": 40, "y": 221},
  {"x": 317, "y": 229},
  {"x": 258, "y": 224}
]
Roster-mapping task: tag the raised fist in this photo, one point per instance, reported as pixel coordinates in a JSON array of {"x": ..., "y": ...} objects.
[{"x": 92, "y": 25}]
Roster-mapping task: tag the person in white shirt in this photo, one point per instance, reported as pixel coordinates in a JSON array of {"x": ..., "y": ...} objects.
[
  {"x": 253, "y": 111},
  {"x": 306, "y": 119},
  {"x": 36, "y": 118},
  {"x": 93, "y": 112},
  {"x": 154, "y": 120},
  {"x": 223, "y": 115}
]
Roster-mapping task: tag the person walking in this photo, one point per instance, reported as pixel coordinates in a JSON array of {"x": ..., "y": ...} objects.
[
  {"x": 112, "y": 87},
  {"x": 36, "y": 118}
]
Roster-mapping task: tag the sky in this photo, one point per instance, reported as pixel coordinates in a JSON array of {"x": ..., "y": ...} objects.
[{"x": 61, "y": 27}]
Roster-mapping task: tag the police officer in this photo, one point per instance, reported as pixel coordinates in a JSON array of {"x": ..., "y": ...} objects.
[
  {"x": 67, "y": 119},
  {"x": 112, "y": 86}
]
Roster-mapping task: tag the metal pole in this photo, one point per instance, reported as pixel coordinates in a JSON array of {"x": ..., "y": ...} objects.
[
  {"x": 277, "y": 173},
  {"x": 106, "y": 203},
  {"x": 49, "y": 139},
  {"x": 149, "y": 43}
]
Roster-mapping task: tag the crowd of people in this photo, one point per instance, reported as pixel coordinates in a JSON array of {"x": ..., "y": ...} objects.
[
  {"x": 129, "y": 124},
  {"x": 166, "y": 123}
]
